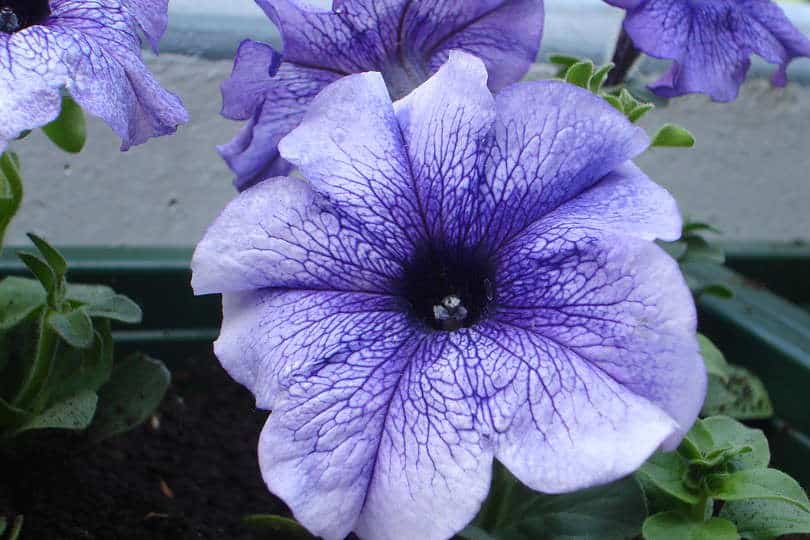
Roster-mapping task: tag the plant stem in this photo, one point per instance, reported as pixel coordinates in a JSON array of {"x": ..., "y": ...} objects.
[
  {"x": 42, "y": 365},
  {"x": 699, "y": 510},
  {"x": 8, "y": 207},
  {"x": 624, "y": 57}
]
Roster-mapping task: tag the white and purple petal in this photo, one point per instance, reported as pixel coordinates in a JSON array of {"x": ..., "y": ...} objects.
[
  {"x": 406, "y": 41},
  {"x": 711, "y": 43},
  {"x": 93, "y": 52}
]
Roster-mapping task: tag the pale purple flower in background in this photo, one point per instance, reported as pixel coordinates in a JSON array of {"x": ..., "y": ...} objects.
[
  {"x": 92, "y": 51},
  {"x": 460, "y": 277},
  {"x": 405, "y": 40},
  {"x": 711, "y": 42}
]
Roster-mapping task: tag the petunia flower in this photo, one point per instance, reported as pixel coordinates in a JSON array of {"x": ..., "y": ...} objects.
[
  {"x": 405, "y": 40},
  {"x": 92, "y": 51},
  {"x": 458, "y": 278},
  {"x": 711, "y": 42}
]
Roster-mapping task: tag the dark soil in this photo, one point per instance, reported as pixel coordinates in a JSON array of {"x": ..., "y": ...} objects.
[{"x": 191, "y": 474}]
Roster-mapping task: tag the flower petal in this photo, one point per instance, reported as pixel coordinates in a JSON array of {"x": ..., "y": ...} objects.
[
  {"x": 93, "y": 51},
  {"x": 445, "y": 124},
  {"x": 624, "y": 202},
  {"x": 553, "y": 141},
  {"x": 617, "y": 303},
  {"x": 280, "y": 233},
  {"x": 375, "y": 440},
  {"x": 505, "y": 34},
  {"x": 152, "y": 16},
  {"x": 350, "y": 147},
  {"x": 274, "y": 96}
]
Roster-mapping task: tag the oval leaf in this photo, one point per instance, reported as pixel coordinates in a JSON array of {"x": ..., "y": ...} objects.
[
  {"x": 69, "y": 130},
  {"x": 673, "y": 136},
  {"x": 75, "y": 327},
  {"x": 19, "y": 299},
  {"x": 136, "y": 388},
  {"x": 74, "y": 413},
  {"x": 756, "y": 484},
  {"x": 277, "y": 527}
]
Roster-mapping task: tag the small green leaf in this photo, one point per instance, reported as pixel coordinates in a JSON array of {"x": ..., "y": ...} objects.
[
  {"x": 676, "y": 526},
  {"x": 742, "y": 395},
  {"x": 639, "y": 111},
  {"x": 69, "y": 130},
  {"x": 75, "y": 327},
  {"x": 83, "y": 369},
  {"x": 19, "y": 299},
  {"x": 673, "y": 136},
  {"x": 102, "y": 302},
  {"x": 54, "y": 259},
  {"x": 563, "y": 59},
  {"x": 277, "y": 527},
  {"x": 714, "y": 360},
  {"x": 727, "y": 432},
  {"x": 11, "y": 190},
  {"x": 74, "y": 413},
  {"x": 756, "y": 484},
  {"x": 599, "y": 77},
  {"x": 580, "y": 73},
  {"x": 666, "y": 472},
  {"x": 615, "y": 101},
  {"x": 698, "y": 442},
  {"x": 136, "y": 388},
  {"x": 700, "y": 250},
  {"x": 40, "y": 269},
  {"x": 16, "y": 527},
  {"x": 718, "y": 290},
  {"x": 697, "y": 226}
]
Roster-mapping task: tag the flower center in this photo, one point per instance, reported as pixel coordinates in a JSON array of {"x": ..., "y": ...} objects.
[
  {"x": 15, "y": 15},
  {"x": 402, "y": 76},
  {"x": 449, "y": 290}
]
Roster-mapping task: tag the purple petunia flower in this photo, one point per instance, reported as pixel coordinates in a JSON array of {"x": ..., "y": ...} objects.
[
  {"x": 92, "y": 50},
  {"x": 405, "y": 40},
  {"x": 711, "y": 42},
  {"x": 459, "y": 278}
]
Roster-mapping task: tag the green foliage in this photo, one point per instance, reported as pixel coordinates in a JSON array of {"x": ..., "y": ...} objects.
[
  {"x": 69, "y": 130},
  {"x": 16, "y": 528},
  {"x": 56, "y": 366},
  {"x": 585, "y": 74},
  {"x": 732, "y": 391},
  {"x": 11, "y": 191},
  {"x": 514, "y": 512},
  {"x": 721, "y": 460}
]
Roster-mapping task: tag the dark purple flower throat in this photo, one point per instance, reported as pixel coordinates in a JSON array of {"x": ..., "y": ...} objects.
[{"x": 15, "y": 15}]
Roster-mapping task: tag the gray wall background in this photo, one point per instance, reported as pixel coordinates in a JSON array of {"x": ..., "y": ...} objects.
[{"x": 749, "y": 175}]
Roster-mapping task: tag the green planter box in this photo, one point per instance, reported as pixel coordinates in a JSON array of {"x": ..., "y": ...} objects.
[{"x": 768, "y": 333}]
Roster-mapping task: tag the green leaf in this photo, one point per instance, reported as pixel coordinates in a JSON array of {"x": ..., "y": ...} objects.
[
  {"x": 54, "y": 259},
  {"x": 666, "y": 472},
  {"x": 277, "y": 527},
  {"x": 40, "y": 269},
  {"x": 727, "y": 432},
  {"x": 697, "y": 226},
  {"x": 580, "y": 73},
  {"x": 639, "y": 111},
  {"x": 742, "y": 395},
  {"x": 19, "y": 299},
  {"x": 756, "y": 484},
  {"x": 69, "y": 130},
  {"x": 599, "y": 77},
  {"x": 75, "y": 327},
  {"x": 136, "y": 388},
  {"x": 760, "y": 519},
  {"x": 615, "y": 101},
  {"x": 714, "y": 360},
  {"x": 102, "y": 302},
  {"x": 74, "y": 413},
  {"x": 698, "y": 249},
  {"x": 717, "y": 289},
  {"x": 698, "y": 442},
  {"x": 83, "y": 369},
  {"x": 11, "y": 191},
  {"x": 514, "y": 512},
  {"x": 673, "y": 136},
  {"x": 676, "y": 526}
]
